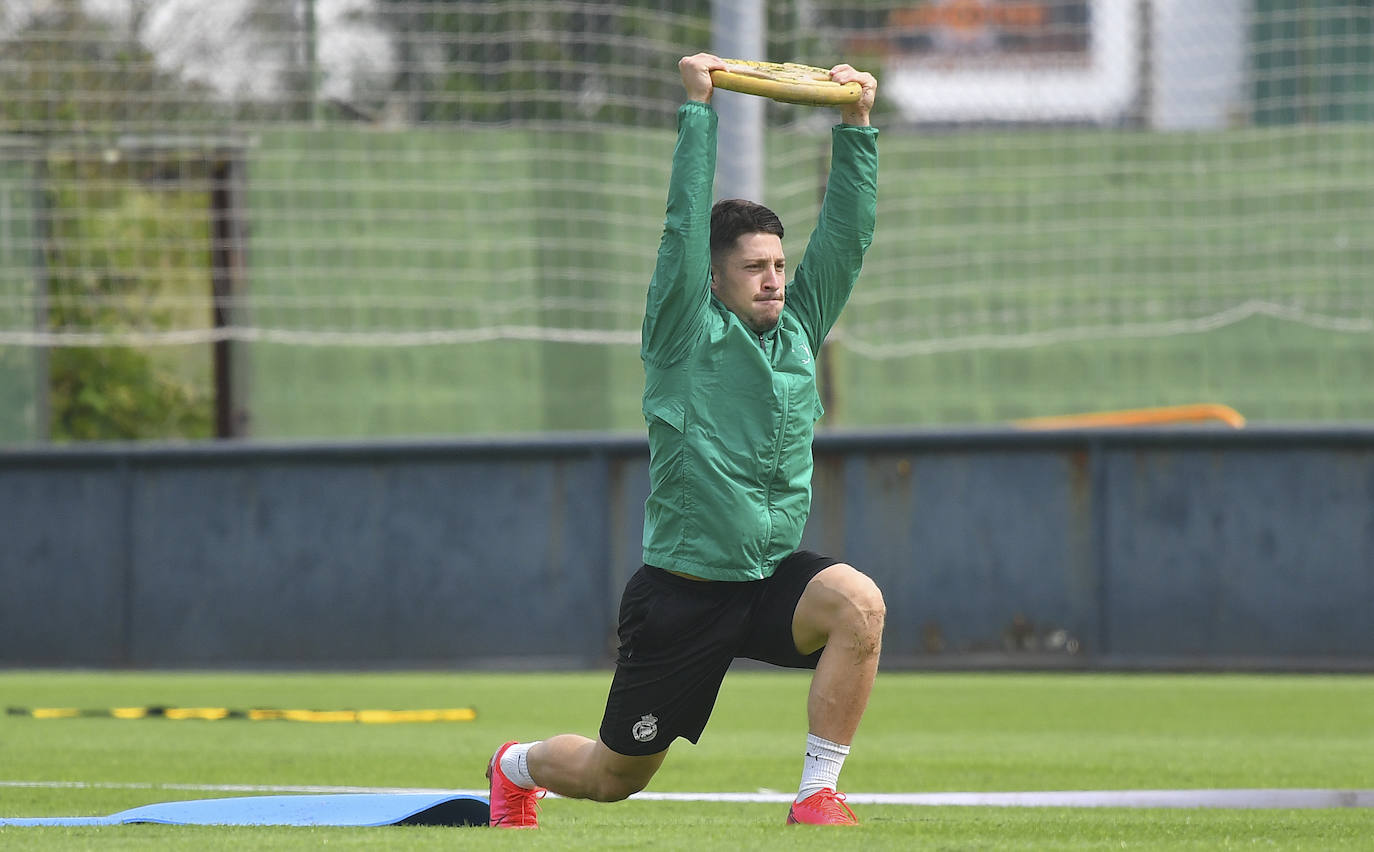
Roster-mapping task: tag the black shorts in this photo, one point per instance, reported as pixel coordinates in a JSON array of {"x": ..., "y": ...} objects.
[{"x": 678, "y": 638}]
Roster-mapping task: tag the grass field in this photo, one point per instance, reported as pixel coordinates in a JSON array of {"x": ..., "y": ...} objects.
[{"x": 924, "y": 732}]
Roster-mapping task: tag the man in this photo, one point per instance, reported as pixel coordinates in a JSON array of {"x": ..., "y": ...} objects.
[{"x": 731, "y": 403}]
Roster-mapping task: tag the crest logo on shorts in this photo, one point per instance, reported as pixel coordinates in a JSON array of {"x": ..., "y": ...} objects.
[{"x": 646, "y": 728}]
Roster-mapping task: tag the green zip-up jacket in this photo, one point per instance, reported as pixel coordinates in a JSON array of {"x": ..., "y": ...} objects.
[{"x": 731, "y": 414}]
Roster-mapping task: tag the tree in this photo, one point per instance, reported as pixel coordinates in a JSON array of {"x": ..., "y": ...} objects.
[
  {"x": 501, "y": 61},
  {"x": 512, "y": 61},
  {"x": 71, "y": 80},
  {"x": 66, "y": 71}
]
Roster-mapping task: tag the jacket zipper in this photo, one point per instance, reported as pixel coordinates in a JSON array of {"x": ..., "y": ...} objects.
[{"x": 777, "y": 456}]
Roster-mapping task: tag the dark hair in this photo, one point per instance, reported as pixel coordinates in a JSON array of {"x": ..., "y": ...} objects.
[{"x": 732, "y": 218}]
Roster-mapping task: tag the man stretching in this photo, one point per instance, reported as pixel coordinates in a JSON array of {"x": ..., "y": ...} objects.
[{"x": 731, "y": 403}]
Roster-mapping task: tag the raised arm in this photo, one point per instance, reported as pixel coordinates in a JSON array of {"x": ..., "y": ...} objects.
[
  {"x": 844, "y": 230},
  {"x": 679, "y": 292}
]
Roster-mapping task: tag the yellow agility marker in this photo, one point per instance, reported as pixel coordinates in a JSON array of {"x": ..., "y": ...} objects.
[
  {"x": 786, "y": 82},
  {"x": 256, "y": 714},
  {"x": 1164, "y": 415}
]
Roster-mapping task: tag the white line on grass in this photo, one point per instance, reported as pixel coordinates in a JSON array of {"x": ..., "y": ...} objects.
[{"x": 1245, "y": 798}]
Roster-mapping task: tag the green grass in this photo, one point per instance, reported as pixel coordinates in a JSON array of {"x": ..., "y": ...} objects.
[{"x": 924, "y": 732}]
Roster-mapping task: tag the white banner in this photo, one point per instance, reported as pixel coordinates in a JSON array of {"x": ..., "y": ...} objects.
[{"x": 982, "y": 60}]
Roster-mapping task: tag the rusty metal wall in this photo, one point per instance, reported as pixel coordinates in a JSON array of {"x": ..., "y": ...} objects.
[
  {"x": 1139, "y": 548},
  {"x": 1135, "y": 548}
]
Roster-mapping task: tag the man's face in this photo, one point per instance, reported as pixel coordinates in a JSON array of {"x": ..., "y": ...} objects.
[{"x": 750, "y": 280}]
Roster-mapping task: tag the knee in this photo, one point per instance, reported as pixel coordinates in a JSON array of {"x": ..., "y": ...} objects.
[
  {"x": 865, "y": 610},
  {"x": 611, "y": 787},
  {"x": 607, "y": 776},
  {"x": 842, "y": 608}
]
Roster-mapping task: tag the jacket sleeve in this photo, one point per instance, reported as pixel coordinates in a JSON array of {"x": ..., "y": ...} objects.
[
  {"x": 679, "y": 293},
  {"x": 844, "y": 230}
]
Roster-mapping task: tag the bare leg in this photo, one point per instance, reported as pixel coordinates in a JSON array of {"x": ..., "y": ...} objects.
[
  {"x": 579, "y": 768},
  {"x": 842, "y": 610}
]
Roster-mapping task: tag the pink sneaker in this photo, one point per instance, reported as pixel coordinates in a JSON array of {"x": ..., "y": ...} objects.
[
  {"x": 512, "y": 806},
  {"x": 824, "y": 808}
]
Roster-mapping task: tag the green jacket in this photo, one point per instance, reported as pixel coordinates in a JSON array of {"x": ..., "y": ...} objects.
[{"x": 731, "y": 414}]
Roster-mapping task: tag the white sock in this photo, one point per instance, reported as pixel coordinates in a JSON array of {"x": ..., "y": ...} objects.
[
  {"x": 515, "y": 765},
  {"x": 821, "y": 767}
]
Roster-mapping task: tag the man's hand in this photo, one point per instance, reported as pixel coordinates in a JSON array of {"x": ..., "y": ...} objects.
[
  {"x": 696, "y": 75},
  {"x": 856, "y": 113}
]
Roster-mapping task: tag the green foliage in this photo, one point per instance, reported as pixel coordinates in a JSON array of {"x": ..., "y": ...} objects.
[
  {"x": 69, "y": 72},
  {"x": 610, "y": 63},
  {"x": 122, "y": 259},
  {"x": 1313, "y": 61},
  {"x": 117, "y": 251},
  {"x": 118, "y": 393},
  {"x": 462, "y": 61}
]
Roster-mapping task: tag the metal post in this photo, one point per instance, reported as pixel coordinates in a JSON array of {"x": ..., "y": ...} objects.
[
  {"x": 228, "y": 281},
  {"x": 312, "y": 64},
  {"x": 739, "y": 31}
]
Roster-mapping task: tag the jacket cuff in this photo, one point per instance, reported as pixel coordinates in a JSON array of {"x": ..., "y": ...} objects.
[
  {"x": 693, "y": 108},
  {"x": 846, "y": 128}
]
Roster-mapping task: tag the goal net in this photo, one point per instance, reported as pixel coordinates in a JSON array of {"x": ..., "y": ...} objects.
[{"x": 397, "y": 217}]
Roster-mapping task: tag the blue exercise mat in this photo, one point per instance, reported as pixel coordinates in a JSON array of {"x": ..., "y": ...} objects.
[{"x": 361, "y": 809}]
